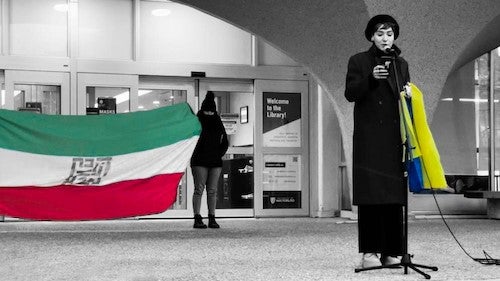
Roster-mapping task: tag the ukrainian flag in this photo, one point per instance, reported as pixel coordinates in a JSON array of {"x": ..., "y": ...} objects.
[{"x": 421, "y": 155}]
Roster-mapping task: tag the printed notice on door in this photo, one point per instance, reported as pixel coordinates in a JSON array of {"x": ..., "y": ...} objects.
[
  {"x": 281, "y": 173},
  {"x": 281, "y": 118}
]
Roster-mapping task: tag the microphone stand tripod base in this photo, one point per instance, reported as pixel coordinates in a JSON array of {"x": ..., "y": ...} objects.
[{"x": 406, "y": 263}]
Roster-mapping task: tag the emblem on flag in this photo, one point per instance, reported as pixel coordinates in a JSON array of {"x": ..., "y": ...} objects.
[{"x": 88, "y": 171}]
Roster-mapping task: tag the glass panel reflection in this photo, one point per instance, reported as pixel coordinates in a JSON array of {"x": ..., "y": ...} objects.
[
  {"x": 181, "y": 201},
  {"x": 235, "y": 190},
  {"x": 151, "y": 99},
  {"x": 107, "y": 100},
  {"x": 2, "y": 95},
  {"x": 45, "y": 99},
  {"x": 482, "y": 90},
  {"x": 236, "y": 183}
]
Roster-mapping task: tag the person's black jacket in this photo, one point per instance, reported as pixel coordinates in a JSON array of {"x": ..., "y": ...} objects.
[
  {"x": 212, "y": 144},
  {"x": 378, "y": 171}
]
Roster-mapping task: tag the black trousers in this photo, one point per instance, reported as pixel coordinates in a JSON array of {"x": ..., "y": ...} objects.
[{"x": 380, "y": 229}]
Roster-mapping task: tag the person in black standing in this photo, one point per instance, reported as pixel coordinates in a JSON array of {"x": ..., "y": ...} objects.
[
  {"x": 379, "y": 180},
  {"x": 206, "y": 162}
]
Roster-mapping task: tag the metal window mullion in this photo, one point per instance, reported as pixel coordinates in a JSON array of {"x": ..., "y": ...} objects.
[{"x": 491, "y": 105}]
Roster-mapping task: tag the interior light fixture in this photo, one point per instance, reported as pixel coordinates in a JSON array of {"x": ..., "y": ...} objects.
[
  {"x": 160, "y": 12},
  {"x": 486, "y": 172},
  {"x": 61, "y": 7},
  {"x": 475, "y": 100}
]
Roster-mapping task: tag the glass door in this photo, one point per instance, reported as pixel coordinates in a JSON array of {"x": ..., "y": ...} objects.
[
  {"x": 106, "y": 93},
  {"x": 155, "y": 92},
  {"x": 235, "y": 105},
  {"x": 44, "y": 99},
  {"x": 41, "y": 92}
]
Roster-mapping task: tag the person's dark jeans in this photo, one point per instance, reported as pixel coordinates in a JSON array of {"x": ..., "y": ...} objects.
[{"x": 209, "y": 177}]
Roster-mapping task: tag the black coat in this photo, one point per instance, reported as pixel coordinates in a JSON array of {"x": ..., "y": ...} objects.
[
  {"x": 212, "y": 144},
  {"x": 378, "y": 171}
]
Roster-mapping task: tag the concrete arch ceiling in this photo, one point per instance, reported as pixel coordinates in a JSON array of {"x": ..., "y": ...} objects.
[
  {"x": 437, "y": 36},
  {"x": 486, "y": 40}
]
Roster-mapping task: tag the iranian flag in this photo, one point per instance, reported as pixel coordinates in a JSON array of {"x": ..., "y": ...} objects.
[{"x": 55, "y": 167}]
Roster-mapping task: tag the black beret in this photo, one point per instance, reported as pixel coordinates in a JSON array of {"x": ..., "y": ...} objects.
[{"x": 370, "y": 27}]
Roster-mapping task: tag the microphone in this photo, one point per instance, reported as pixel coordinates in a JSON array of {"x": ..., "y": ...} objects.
[{"x": 390, "y": 51}]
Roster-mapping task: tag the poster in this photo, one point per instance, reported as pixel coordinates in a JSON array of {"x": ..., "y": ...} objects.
[
  {"x": 281, "y": 173},
  {"x": 230, "y": 122},
  {"x": 106, "y": 105},
  {"x": 282, "y": 119}
]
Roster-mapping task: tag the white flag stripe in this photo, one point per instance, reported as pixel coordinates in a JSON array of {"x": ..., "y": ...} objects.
[{"x": 27, "y": 169}]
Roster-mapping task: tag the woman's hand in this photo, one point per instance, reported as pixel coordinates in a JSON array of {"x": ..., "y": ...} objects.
[{"x": 380, "y": 72}]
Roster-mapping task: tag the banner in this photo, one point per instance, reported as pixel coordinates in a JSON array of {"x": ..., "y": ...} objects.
[{"x": 57, "y": 167}]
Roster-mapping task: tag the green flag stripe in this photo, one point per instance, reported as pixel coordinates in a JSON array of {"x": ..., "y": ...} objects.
[{"x": 99, "y": 135}]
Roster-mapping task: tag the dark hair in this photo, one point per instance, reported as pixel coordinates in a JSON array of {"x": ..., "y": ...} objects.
[{"x": 383, "y": 25}]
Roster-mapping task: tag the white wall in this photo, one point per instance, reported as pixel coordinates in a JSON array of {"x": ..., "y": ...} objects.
[
  {"x": 325, "y": 150},
  {"x": 108, "y": 30},
  {"x": 38, "y": 28},
  {"x": 105, "y": 29},
  {"x": 177, "y": 33}
]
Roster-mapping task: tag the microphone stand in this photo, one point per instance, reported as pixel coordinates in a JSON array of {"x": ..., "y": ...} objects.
[{"x": 406, "y": 258}]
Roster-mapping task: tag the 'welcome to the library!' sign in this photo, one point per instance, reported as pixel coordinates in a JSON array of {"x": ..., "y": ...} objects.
[{"x": 281, "y": 118}]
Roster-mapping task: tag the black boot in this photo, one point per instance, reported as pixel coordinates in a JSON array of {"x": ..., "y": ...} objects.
[
  {"x": 198, "y": 222},
  {"x": 211, "y": 222}
]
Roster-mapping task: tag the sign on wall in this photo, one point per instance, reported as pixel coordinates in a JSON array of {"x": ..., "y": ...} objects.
[
  {"x": 282, "y": 119},
  {"x": 106, "y": 105},
  {"x": 282, "y": 200},
  {"x": 281, "y": 173},
  {"x": 230, "y": 122}
]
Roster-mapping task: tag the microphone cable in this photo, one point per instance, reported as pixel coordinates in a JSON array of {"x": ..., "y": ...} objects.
[{"x": 487, "y": 260}]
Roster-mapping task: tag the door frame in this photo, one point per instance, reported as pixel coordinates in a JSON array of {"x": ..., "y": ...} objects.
[
  {"x": 165, "y": 83},
  {"x": 228, "y": 85}
]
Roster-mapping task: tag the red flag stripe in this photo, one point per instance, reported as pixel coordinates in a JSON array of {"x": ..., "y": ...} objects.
[{"x": 75, "y": 203}]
